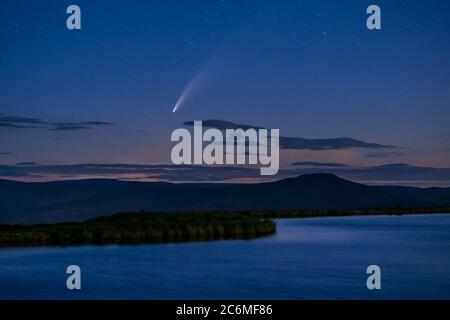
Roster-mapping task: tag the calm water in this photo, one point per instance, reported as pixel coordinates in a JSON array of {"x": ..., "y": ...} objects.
[{"x": 307, "y": 259}]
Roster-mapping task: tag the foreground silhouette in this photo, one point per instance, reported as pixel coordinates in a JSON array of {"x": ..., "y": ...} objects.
[{"x": 142, "y": 227}]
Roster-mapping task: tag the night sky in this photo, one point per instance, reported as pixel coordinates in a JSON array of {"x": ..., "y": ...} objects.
[{"x": 104, "y": 94}]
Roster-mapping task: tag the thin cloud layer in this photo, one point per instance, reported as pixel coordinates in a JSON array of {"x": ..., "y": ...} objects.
[
  {"x": 319, "y": 164},
  {"x": 21, "y": 120},
  {"x": 298, "y": 143},
  {"x": 384, "y": 154},
  {"x": 401, "y": 174},
  {"x": 64, "y": 126},
  {"x": 164, "y": 172},
  {"x": 13, "y": 122}
]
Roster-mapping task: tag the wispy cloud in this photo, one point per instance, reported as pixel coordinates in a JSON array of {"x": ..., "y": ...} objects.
[
  {"x": 14, "y": 122},
  {"x": 401, "y": 174},
  {"x": 26, "y": 164},
  {"x": 319, "y": 164},
  {"x": 73, "y": 126},
  {"x": 17, "y": 126},
  {"x": 298, "y": 143},
  {"x": 165, "y": 172},
  {"x": 383, "y": 154},
  {"x": 9, "y": 119}
]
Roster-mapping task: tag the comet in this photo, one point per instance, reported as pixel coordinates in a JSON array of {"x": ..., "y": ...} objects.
[
  {"x": 190, "y": 89},
  {"x": 182, "y": 98},
  {"x": 204, "y": 75},
  {"x": 179, "y": 102}
]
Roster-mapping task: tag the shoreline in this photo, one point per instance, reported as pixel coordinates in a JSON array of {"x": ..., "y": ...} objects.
[
  {"x": 161, "y": 228},
  {"x": 139, "y": 228}
]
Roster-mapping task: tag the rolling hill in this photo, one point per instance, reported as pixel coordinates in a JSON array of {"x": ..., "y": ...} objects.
[{"x": 77, "y": 200}]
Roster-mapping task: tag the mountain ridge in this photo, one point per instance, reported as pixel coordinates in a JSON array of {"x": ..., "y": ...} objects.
[{"x": 77, "y": 200}]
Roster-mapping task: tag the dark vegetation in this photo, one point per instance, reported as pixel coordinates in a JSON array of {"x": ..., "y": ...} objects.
[
  {"x": 159, "y": 227},
  {"x": 142, "y": 227}
]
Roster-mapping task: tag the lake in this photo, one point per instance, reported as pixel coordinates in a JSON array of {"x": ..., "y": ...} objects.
[{"x": 314, "y": 258}]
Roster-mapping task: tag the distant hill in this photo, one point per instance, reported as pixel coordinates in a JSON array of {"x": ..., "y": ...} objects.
[{"x": 78, "y": 200}]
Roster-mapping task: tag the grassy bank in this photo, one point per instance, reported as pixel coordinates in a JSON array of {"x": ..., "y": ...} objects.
[
  {"x": 159, "y": 227},
  {"x": 142, "y": 227}
]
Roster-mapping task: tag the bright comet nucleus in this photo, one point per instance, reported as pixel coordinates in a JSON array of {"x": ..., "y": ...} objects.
[
  {"x": 179, "y": 102},
  {"x": 186, "y": 93}
]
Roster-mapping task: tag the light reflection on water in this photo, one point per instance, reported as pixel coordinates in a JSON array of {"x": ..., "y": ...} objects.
[{"x": 320, "y": 258}]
